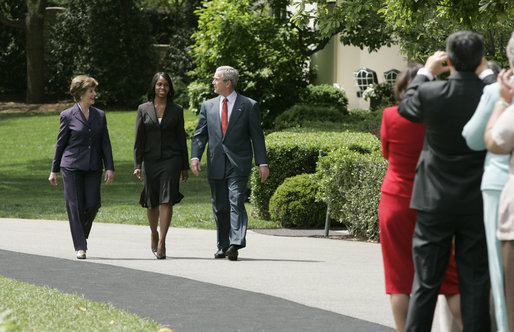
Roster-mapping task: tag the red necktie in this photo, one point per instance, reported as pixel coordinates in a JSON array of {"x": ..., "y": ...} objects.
[{"x": 224, "y": 116}]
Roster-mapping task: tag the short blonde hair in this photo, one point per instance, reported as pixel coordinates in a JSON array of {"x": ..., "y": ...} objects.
[{"x": 79, "y": 85}]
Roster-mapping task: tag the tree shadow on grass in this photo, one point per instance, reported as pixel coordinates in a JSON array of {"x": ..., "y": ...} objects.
[{"x": 26, "y": 193}]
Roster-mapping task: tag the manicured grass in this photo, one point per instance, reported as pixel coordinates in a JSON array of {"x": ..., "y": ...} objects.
[
  {"x": 26, "y": 307},
  {"x": 27, "y": 143}
]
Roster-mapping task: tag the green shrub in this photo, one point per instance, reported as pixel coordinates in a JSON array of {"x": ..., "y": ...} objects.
[
  {"x": 350, "y": 184},
  {"x": 326, "y": 95},
  {"x": 364, "y": 121},
  {"x": 294, "y": 203},
  {"x": 300, "y": 114},
  {"x": 198, "y": 93},
  {"x": 294, "y": 153},
  {"x": 358, "y": 120},
  {"x": 181, "y": 96},
  {"x": 266, "y": 49},
  {"x": 190, "y": 126},
  {"x": 380, "y": 96}
]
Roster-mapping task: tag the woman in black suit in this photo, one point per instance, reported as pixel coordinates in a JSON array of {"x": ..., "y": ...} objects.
[
  {"x": 160, "y": 157},
  {"x": 82, "y": 146}
]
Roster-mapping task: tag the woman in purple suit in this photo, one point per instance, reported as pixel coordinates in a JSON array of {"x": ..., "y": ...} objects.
[{"x": 83, "y": 147}]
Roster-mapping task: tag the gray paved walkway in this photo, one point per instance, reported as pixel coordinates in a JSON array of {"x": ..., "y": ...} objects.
[{"x": 279, "y": 283}]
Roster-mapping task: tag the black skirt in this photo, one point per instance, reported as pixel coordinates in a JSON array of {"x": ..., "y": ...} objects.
[{"x": 161, "y": 180}]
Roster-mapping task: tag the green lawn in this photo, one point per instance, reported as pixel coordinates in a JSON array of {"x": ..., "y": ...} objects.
[
  {"x": 26, "y": 307},
  {"x": 27, "y": 143}
]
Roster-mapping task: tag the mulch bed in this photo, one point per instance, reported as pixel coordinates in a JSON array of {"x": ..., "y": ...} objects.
[{"x": 16, "y": 107}]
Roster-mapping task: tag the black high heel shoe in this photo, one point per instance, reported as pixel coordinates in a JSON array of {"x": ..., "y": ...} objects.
[
  {"x": 161, "y": 255},
  {"x": 154, "y": 249}
]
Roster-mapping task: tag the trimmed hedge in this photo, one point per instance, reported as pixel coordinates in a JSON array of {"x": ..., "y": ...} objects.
[
  {"x": 326, "y": 95},
  {"x": 300, "y": 114},
  {"x": 293, "y": 153},
  {"x": 350, "y": 183},
  {"x": 294, "y": 203},
  {"x": 358, "y": 120}
]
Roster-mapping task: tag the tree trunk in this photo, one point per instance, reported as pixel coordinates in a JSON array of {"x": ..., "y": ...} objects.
[{"x": 35, "y": 50}]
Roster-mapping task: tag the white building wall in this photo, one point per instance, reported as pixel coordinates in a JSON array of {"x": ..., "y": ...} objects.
[{"x": 348, "y": 59}]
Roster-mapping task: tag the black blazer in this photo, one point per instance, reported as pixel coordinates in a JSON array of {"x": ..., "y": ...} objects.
[
  {"x": 156, "y": 141},
  {"x": 448, "y": 173},
  {"x": 82, "y": 145}
]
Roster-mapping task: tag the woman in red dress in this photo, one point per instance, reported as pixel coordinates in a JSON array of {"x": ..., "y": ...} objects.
[{"x": 402, "y": 142}]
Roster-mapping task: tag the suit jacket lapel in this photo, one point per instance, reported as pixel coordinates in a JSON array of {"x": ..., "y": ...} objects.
[
  {"x": 79, "y": 115},
  {"x": 151, "y": 112},
  {"x": 237, "y": 110},
  {"x": 92, "y": 115}
]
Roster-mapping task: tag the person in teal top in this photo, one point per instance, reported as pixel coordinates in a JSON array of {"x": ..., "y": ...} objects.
[{"x": 496, "y": 174}]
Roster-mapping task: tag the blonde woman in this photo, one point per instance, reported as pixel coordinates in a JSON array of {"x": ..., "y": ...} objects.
[{"x": 83, "y": 148}]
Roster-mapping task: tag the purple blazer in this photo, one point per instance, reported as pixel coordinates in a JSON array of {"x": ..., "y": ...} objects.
[{"x": 83, "y": 145}]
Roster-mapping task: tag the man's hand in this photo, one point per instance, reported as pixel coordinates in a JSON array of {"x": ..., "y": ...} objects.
[
  {"x": 435, "y": 63},
  {"x": 195, "y": 166},
  {"x": 263, "y": 173},
  {"x": 137, "y": 173}
]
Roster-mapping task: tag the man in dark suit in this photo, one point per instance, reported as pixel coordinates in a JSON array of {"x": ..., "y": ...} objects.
[
  {"x": 231, "y": 125},
  {"x": 487, "y": 71},
  {"x": 446, "y": 191}
]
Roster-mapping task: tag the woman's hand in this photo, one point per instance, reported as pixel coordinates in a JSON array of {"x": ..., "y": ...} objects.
[
  {"x": 506, "y": 87},
  {"x": 185, "y": 175},
  {"x": 137, "y": 173},
  {"x": 109, "y": 176},
  {"x": 53, "y": 178}
]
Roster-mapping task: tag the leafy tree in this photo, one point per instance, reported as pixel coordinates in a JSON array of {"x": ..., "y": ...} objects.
[
  {"x": 419, "y": 27},
  {"x": 173, "y": 22},
  {"x": 258, "y": 39},
  {"x": 32, "y": 25},
  {"x": 13, "y": 63},
  {"x": 423, "y": 27},
  {"x": 358, "y": 22},
  {"x": 109, "y": 40}
]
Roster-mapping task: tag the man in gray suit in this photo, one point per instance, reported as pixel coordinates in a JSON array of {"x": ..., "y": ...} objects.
[{"x": 231, "y": 126}]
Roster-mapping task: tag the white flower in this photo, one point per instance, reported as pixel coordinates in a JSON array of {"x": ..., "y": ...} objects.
[{"x": 370, "y": 92}]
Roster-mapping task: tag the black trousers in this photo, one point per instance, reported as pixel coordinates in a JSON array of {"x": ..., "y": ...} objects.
[
  {"x": 431, "y": 245},
  {"x": 82, "y": 197}
]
